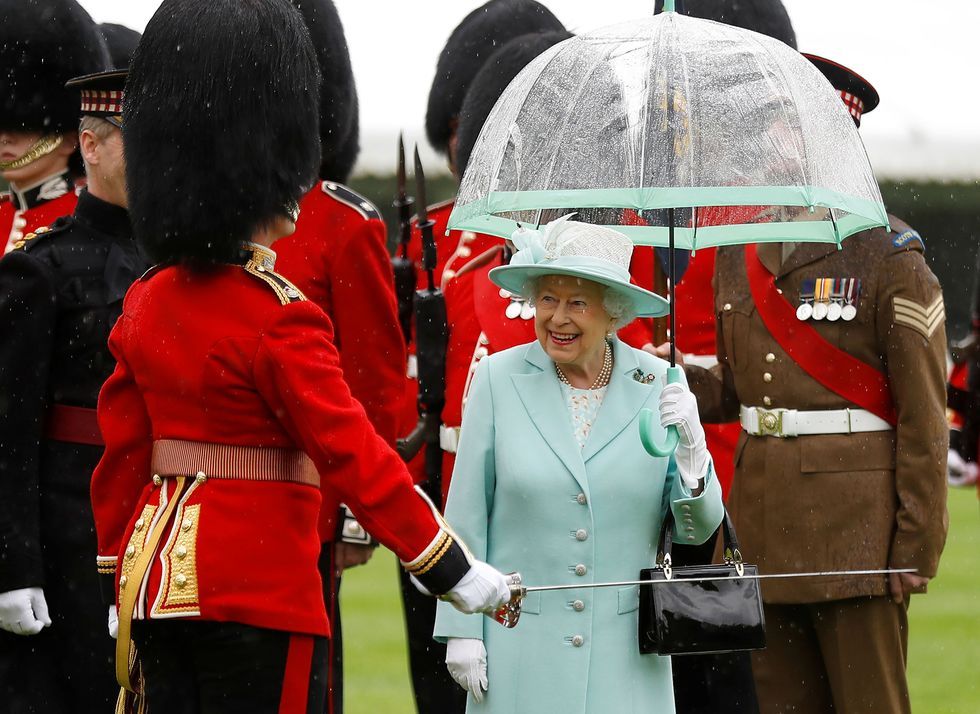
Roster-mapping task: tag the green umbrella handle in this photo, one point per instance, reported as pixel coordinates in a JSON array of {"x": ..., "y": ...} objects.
[
  {"x": 668, "y": 5},
  {"x": 647, "y": 425}
]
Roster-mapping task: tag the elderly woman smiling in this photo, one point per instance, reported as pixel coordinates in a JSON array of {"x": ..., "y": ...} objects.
[{"x": 551, "y": 480}]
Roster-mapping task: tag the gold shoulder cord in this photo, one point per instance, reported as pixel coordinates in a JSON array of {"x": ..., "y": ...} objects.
[
  {"x": 129, "y": 595},
  {"x": 284, "y": 290},
  {"x": 42, "y": 147}
]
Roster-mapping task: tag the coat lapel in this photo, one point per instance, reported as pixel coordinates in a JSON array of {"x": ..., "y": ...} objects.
[
  {"x": 623, "y": 401},
  {"x": 541, "y": 396}
]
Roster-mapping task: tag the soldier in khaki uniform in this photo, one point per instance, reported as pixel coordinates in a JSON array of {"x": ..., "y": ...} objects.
[{"x": 821, "y": 483}]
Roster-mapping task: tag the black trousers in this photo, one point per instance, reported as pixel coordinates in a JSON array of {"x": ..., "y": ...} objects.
[
  {"x": 67, "y": 667},
  {"x": 331, "y": 598},
  {"x": 197, "y": 667},
  {"x": 710, "y": 684}
]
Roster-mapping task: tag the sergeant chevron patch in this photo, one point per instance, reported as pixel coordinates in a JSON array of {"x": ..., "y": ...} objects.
[{"x": 924, "y": 319}]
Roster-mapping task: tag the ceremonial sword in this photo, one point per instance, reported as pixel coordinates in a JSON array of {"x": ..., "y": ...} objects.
[{"x": 509, "y": 614}]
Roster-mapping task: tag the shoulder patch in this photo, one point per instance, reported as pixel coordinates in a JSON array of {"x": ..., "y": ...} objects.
[
  {"x": 924, "y": 319},
  {"x": 284, "y": 290},
  {"x": 908, "y": 239},
  {"x": 351, "y": 198},
  {"x": 32, "y": 240}
]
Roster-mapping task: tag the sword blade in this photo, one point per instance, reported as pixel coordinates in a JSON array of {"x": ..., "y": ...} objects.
[{"x": 768, "y": 576}]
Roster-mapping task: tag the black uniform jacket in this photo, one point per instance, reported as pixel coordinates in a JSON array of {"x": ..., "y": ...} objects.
[{"x": 60, "y": 294}]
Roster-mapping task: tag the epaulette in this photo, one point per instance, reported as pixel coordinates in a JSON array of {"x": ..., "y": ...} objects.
[
  {"x": 350, "y": 198},
  {"x": 32, "y": 240},
  {"x": 284, "y": 290}
]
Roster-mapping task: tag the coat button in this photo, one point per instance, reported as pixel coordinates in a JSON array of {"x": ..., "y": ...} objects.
[
  {"x": 581, "y": 534},
  {"x": 767, "y": 377},
  {"x": 767, "y": 401},
  {"x": 578, "y": 641},
  {"x": 130, "y": 551},
  {"x": 581, "y": 569},
  {"x": 581, "y": 499},
  {"x": 770, "y": 357},
  {"x": 686, "y": 507},
  {"x": 181, "y": 552},
  {"x": 138, "y": 526},
  {"x": 187, "y": 524},
  {"x": 180, "y": 580},
  {"x": 578, "y": 606},
  {"x": 201, "y": 477},
  {"x": 728, "y": 306},
  {"x": 122, "y": 581},
  {"x": 157, "y": 480},
  {"x": 690, "y": 537}
]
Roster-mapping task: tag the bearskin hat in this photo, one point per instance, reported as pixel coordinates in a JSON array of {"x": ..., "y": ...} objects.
[
  {"x": 220, "y": 125},
  {"x": 43, "y": 44},
  {"x": 491, "y": 81},
  {"x": 470, "y": 44},
  {"x": 121, "y": 42},
  {"x": 767, "y": 17},
  {"x": 339, "y": 125}
]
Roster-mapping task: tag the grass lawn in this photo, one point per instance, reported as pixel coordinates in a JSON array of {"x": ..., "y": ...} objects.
[{"x": 944, "y": 657}]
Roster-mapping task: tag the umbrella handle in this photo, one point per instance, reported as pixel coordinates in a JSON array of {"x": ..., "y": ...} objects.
[{"x": 647, "y": 425}]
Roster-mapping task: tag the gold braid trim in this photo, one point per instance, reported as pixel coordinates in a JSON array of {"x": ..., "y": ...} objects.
[
  {"x": 42, "y": 147},
  {"x": 433, "y": 556}
]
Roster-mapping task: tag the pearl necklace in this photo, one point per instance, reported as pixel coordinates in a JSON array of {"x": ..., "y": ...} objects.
[{"x": 604, "y": 374}]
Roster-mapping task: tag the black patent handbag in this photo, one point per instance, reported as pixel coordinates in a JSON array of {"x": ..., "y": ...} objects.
[{"x": 700, "y": 609}]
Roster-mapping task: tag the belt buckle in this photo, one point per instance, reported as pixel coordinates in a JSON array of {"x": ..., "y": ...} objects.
[{"x": 770, "y": 422}]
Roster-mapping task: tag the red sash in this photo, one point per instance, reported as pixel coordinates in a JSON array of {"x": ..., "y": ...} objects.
[{"x": 838, "y": 371}]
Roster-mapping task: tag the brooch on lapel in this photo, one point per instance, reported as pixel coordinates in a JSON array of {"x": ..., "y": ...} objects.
[{"x": 643, "y": 378}]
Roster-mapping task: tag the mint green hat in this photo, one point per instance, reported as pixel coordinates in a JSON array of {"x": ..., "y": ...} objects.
[{"x": 580, "y": 250}]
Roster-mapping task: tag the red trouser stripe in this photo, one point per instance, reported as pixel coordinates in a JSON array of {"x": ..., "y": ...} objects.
[{"x": 296, "y": 680}]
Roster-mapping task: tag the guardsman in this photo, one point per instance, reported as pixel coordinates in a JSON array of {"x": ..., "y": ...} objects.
[
  {"x": 472, "y": 41},
  {"x": 60, "y": 293},
  {"x": 835, "y": 363},
  {"x": 338, "y": 257},
  {"x": 42, "y": 46},
  {"x": 227, "y": 416}
]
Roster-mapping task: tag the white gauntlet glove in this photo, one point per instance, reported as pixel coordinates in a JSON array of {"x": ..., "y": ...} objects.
[
  {"x": 24, "y": 611},
  {"x": 466, "y": 660},
  {"x": 679, "y": 407},
  {"x": 113, "y": 622},
  {"x": 482, "y": 589}
]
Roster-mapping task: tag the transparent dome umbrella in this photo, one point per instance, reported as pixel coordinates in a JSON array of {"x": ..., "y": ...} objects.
[{"x": 677, "y": 131}]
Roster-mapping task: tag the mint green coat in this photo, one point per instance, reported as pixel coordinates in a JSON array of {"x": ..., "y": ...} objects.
[{"x": 525, "y": 497}]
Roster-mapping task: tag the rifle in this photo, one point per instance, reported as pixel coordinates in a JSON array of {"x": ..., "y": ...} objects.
[
  {"x": 403, "y": 266},
  {"x": 431, "y": 338}
]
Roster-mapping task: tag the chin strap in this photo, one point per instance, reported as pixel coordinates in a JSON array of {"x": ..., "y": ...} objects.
[{"x": 42, "y": 147}]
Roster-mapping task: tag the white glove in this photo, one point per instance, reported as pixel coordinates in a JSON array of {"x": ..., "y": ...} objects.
[
  {"x": 24, "y": 611},
  {"x": 466, "y": 660},
  {"x": 482, "y": 589},
  {"x": 679, "y": 407},
  {"x": 113, "y": 622},
  {"x": 958, "y": 471}
]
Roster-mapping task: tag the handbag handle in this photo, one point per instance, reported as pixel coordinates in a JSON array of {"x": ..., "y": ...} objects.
[{"x": 731, "y": 553}]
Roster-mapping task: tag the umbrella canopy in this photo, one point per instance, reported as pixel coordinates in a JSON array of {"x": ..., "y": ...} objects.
[{"x": 672, "y": 112}]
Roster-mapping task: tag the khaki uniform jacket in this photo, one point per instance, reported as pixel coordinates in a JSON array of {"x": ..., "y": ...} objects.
[{"x": 840, "y": 501}]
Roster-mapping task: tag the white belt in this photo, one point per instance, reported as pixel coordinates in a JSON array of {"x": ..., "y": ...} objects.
[
  {"x": 759, "y": 421},
  {"x": 448, "y": 438}
]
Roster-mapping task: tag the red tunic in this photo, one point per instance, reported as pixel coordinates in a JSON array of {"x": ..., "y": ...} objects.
[
  {"x": 338, "y": 257},
  {"x": 221, "y": 357},
  {"x": 15, "y": 224}
]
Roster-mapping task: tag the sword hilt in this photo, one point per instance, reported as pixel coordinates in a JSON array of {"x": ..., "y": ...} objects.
[{"x": 509, "y": 614}]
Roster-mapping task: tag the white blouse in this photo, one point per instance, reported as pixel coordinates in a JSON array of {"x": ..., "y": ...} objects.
[{"x": 583, "y": 407}]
